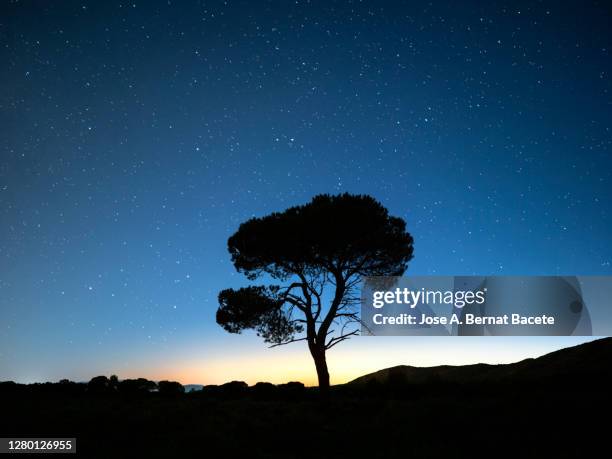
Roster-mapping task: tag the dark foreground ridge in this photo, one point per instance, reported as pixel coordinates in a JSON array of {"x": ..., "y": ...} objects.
[
  {"x": 553, "y": 406},
  {"x": 592, "y": 360}
]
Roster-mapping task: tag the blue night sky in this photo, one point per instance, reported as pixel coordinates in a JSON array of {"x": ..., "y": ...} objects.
[{"x": 136, "y": 137}]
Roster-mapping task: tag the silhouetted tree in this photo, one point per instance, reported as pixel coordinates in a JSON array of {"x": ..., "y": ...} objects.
[{"x": 319, "y": 251}]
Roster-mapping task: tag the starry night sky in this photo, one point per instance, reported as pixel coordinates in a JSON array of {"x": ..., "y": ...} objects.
[{"x": 137, "y": 136}]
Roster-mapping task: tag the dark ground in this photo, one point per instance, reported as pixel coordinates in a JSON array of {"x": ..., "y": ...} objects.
[{"x": 408, "y": 422}]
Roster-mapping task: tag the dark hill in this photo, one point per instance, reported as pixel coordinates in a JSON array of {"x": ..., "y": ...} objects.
[{"x": 590, "y": 361}]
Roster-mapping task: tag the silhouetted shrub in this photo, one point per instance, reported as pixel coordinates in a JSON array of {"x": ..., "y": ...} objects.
[
  {"x": 293, "y": 386},
  {"x": 10, "y": 387},
  {"x": 170, "y": 388},
  {"x": 233, "y": 389},
  {"x": 68, "y": 387},
  {"x": 264, "y": 390},
  {"x": 211, "y": 390},
  {"x": 113, "y": 383},
  {"x": 98, "y": 385},
  {"x": 291, "y": 389},
  {"x": 136, "y": 386}
]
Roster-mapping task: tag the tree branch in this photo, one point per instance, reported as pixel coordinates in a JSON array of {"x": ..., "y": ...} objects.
[
  {"x": 288, "y": 342},
  {"x": 332, "y": 342}
]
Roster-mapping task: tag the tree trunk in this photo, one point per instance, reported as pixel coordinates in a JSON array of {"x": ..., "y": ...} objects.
[{"x": 321, "y": 364}]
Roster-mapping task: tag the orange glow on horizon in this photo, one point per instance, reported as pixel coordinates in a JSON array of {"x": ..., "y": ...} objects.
[{"x": 363, "y": 356}]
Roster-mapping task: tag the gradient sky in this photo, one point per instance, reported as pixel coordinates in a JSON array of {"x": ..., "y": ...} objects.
[{"x": 136, "y": 136}]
